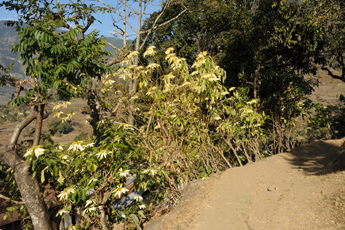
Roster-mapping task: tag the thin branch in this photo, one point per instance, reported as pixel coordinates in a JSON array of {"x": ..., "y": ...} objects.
[
  {"x": 114, "y": 46},
  {"x": 116, "y": 11},
  {"x": 156, "y": 27},
  {"x": 102, "y": 220},
  {"x": 90, "y": 20},
  {"x": 136, "y": 12},
  {"x": 13, "y": 201}
]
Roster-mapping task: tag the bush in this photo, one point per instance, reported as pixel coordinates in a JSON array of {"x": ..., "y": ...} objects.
[
  {"x": 58, "y": 127},
  {"x": 81, "y": 137}
]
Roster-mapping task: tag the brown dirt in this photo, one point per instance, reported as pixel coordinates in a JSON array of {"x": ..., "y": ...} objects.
[
  {"x": 294, "y": 190},
  {"x": 78, "y": 120}
]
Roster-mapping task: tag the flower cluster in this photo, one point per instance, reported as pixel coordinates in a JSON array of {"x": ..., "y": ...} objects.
[{"x": 37, "y": 150}]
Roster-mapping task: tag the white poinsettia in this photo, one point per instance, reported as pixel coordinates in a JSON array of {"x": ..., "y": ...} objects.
[
  {"x": 90, "y": 209},
  {"x": 142, "y": 206},
  {"x": 92, "y": 180},
  {"x": 75, "y": 146},
  {"x": 103, "y": 154},
  {"x": 89, "y": 202},
  {"x": 150, "y": 170},
  {"x": 63, "y": 211},
  {"x": 124, "y": 173},
  {"x": 37, "y": 150},
  {"x": 169, "y": 50},
  {"x": 150, "y": 51},
  {"x": 138, "y": 198},
  {"x": 65, "y": 193},
  {"x": 119, "y": 191}
]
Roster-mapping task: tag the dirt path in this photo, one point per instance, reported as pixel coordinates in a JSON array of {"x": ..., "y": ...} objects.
[{"x": 294, "y": 190}]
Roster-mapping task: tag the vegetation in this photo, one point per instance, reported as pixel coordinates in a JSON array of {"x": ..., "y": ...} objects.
[
  {"x": 57, "y": 127},
  {"x": 211, "y": 90}
]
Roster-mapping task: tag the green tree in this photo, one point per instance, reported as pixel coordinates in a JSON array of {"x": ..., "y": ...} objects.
[{"x": 52, "y": 61}]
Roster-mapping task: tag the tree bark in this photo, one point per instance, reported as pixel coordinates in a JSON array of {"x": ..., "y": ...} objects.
[{"x": 27, "y": 184}]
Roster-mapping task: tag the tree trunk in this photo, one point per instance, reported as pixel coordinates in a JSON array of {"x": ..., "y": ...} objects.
[
  {"x": 27, "y": 184},
  {"x": 133, "y": 83}
]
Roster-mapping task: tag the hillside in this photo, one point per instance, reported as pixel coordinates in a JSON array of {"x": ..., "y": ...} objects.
[{"x": 8, "y": 37}]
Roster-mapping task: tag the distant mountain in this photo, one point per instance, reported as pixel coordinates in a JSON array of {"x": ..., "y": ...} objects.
[{"x": 9, "y": 37}]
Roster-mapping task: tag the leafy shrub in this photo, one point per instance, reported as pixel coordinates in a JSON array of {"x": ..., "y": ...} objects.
[
  {"x": 58, "y": 127},
  {"x": 83, "y": 136}
]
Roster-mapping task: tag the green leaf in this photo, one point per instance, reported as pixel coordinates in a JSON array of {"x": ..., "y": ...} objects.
[
  {"x": 77, "y": 163},
  {"x": 135, "y": 218},
  {"x": 83, "y": 194},
  {"x": 42, "y": 176},
  {"x": 10, "y": 209},
  {"x": 141, "y": 212},
  {"x": 94, "y": 167}
]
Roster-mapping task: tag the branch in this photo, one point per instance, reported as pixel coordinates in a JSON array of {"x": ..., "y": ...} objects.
[
  {"x": 154, "y": 27},
  {"x": 90, "y": 20},
  {"x": 117, "y": 59},
  {"x": 116, "y": 11},
  {"x": 19, "y": 127},
  {"x": 136, "y": 12},
  {"x": 102, "y": 220},
  {"x": 13, "y": 201},
  {"x": 331, "y": 74}
]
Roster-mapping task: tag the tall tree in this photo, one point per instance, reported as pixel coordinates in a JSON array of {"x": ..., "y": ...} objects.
[{"x": 52, "y": 61}]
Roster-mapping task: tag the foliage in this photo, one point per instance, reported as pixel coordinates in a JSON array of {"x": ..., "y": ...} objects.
[
  {"x": 56, "y": 126},
  {"x": 83, "y": 136}
]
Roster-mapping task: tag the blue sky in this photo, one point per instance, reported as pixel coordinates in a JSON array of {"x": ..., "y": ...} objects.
[{"x": 106, "y": 28}]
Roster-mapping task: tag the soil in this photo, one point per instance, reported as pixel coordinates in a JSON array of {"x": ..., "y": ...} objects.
[{"x": 292, "y": 190}]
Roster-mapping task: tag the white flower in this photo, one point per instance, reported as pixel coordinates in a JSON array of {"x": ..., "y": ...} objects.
[
  {"x": 169, "y": 50},
  {"x": 72, "y": 227},
  {"x": 62, "y": 211},
  {"x": 76, "y": 146},
  {"x": 132, "y": 55},
  {"x": 152, "y": 66},
  {"x": 253, "y": 101},
  {"x": 92, "y": 180},
  {"x": 194, "y": 73},
  {"x": 138, "y": 198},
  {"x": 59, "y": 147},
  {"x": 120, "y": 190},
  {"x": 88, "y": 202},
  {"x": 217, "y": 118},
  {"x": 89, "y": 145},
  {"x": 65, "y": 193},
  {"x": 152, "y": 171},
  {"x": 126, "y": 126},
  {"x": 124, "y": 173},
  {"x": 37, "y": 150},
  {"x": 64, "y": 157},
  {"x": 58, "y": 114},
  {"x": 90, "y": 209},
  {"x": 142, "y": 206},
  {"x": 103, "y": 154},
  {"x": 150, "y": 51},
  {"x": 202, "y": 55}
]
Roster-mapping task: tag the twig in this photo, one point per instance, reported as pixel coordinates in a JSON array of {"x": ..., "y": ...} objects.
[{"x": 13, "y": 201}]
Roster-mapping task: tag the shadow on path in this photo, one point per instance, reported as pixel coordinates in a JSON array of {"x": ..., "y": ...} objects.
[{"x": 315, "y": 158}]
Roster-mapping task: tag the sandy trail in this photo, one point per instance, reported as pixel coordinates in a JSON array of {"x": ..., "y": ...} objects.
[{"x": 293, "y": 190}]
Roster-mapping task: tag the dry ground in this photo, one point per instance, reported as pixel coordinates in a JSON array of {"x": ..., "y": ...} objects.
[
  {"x": 293, "y": 190},
  {"x": 78, "y": 120}
]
